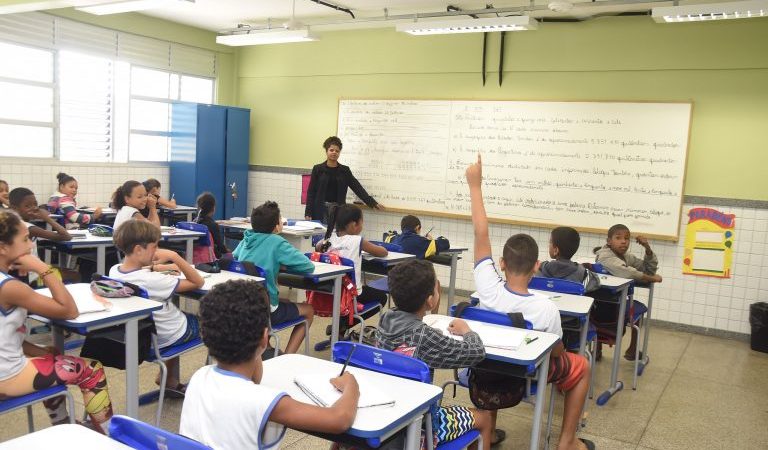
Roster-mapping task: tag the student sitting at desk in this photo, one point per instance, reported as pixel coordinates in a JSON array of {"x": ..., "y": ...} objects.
[
  {"x": 348, "y": 243},
  {"x": 25, "y": 367},
  {"x": 147, "y": 267},
  {"x": 264, "y": 247},
  {"x": 614, "y": 257},
  {"x": 63, "y": 202},
  {"x": 225, "y": 406},
  {"x": 563, "y": 244},
  {"x": 129, "y": 199},
  {"x": 4, "y": 195},
  {"x": 153, "y": 188},
  {"x": 414, "y": 243},
  {"x": 206, "y": 208},
  {"x": 23, "y": 201},
  {"x": 415, "y": 291},
  {"x": 569, "y": 371}
]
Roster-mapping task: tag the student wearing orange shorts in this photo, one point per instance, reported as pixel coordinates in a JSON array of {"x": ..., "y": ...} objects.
[{"x": 519, "y": 261}]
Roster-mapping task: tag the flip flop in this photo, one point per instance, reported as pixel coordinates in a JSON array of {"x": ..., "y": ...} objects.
[
  {"x": 176, "y": 392},
  {"x": 632, "y": 356},
  {"x": 500, "y": 436},
  {"x": 590, "y": 445}
]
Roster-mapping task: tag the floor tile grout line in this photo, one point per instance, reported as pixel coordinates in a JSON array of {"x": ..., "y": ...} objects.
[{"x": 664, "y": 390}]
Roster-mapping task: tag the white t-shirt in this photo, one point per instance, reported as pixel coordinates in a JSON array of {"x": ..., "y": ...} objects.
[
  {"x": 12, "y": 333},
  {"x": 170, "y": 322},
  {"x": 225, "y": 410},
  {"x": 348, "y": 246},
  {"x": 124, "y": 214},
  {"x": 494, "y": 295}
]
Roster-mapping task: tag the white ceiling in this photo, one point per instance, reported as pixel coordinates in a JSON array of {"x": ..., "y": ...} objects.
[{"x": 226, "y": 14}]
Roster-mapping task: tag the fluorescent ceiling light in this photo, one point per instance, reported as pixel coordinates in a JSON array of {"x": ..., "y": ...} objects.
[
  {"x": 262, "y": 37},
  {"x": 128, "y": 6},
  {"x": 711, "y": 11},
  {"x": 451, "y": 26}
]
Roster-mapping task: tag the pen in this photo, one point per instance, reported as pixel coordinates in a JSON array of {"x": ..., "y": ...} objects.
[
  {"x": 430, "y": 230},
  {"x": 556, "y": 296},
  {"x": 532, "y": 340},
  {"x": 351, "y": 352},
  {"x": 173, "y": 195}
]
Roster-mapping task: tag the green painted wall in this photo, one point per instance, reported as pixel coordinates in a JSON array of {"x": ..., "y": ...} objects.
[
  {"x": 226, "y": 57},
  {"x": 293, "y": 89}
]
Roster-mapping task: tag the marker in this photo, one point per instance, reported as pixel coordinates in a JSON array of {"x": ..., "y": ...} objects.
[{"x": 354, "y": 347}]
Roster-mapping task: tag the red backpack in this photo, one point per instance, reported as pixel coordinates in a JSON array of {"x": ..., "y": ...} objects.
[{"x": 323, "y": 303}]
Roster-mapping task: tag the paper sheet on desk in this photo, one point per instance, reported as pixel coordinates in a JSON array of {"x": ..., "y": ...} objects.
[
  {"x": 202, "y": 274},
  {"x": 91, "y": 303},
  {"x": 318, "y": 388},
  {"x": 504, "y": 338}
]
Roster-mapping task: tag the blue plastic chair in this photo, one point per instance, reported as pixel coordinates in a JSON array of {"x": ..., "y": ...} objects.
[
  {"x": 205, "y": 241},
  {"x": 247, "y": 268},
  {"x": 143, "y": 436},
  {"x": 556, "y": 285},
  {"x": 403, "y": 366},
  {"x": 27, "y": 400}
]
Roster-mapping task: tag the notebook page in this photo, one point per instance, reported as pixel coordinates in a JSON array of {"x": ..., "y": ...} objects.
[
  {"x": 493, "y": 336},
  {"x": 320, "y": 390}
]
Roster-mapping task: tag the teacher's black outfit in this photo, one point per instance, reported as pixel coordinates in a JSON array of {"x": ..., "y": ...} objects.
[{"x": 328, "y": 185}]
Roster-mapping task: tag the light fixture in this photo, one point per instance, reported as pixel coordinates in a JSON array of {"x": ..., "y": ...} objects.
[
  {"x": 263, "y": 37},
  {"x": 451, "y": 26},
  {"x": 128, "y": 6},
  {"x": 711, "y": 11}
]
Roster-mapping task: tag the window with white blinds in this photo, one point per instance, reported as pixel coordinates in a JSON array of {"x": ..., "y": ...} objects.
[
  {"x": 87, "y": 93},
  {"x": 27, "y": 106}
]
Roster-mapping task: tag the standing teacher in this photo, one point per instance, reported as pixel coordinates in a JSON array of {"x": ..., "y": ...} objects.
[{"x": 329, "y": 183}]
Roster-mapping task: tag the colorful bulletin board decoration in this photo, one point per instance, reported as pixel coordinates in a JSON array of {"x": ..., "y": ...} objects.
[{"x": 709, "y": 243}]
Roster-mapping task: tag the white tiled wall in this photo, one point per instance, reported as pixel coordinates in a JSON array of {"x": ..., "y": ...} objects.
[
  {"x": 96, "y": 182},
  {"x": 693, "y": 300}
]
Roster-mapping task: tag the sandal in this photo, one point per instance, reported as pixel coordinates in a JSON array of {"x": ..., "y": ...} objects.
[
  {"x": 589, "y": 444},
  {"x": 500, "y": 435},
  {"x": 631, "y": 356},
  {"x": 176, "y": 392}
]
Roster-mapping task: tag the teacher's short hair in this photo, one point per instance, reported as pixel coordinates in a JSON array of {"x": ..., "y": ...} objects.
[{"x": 333, "y": 140}]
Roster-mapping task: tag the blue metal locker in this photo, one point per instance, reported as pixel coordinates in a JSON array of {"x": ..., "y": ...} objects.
[{"x": 238, "y": 138}]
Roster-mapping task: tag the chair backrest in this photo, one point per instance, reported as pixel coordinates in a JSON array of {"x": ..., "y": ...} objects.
[
  {"x": 315, "y": 239},
  {"x": 200, "y": 228},
  {"x": 600, "y": 268},
  {"x": 483, "y": 315},
  {"x": 556, "y": 285},
  {"x": 244, "y": 267},
  {"x": 143, "y": 436},
  {"x": 389, "y": 246},
  {"x": 326, "y": 258},
  {"x": 382, "y": 361},
  {"x": 138, "y": 290}
]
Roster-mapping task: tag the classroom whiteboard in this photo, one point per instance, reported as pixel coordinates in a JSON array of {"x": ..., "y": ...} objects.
[{"x": 587, "y": 165}]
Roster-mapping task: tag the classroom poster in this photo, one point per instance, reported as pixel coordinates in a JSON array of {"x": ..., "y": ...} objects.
[{"x": 708, "y": 247}]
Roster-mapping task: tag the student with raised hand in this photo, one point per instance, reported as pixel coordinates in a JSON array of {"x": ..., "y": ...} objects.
[
  {"x": 615, "y": 258},
  {"x": 23, "y": 201},
  {"x": 63, "y": 202},
  {"x": 129, "y": 199},
  {"x": 152, "y": 186},
  {"x": 4, "y": 195},
  {"x": 519, "y": 261},
  {"x": 145, "y": 266},
  {"x": 226, "y": 407},
  {"x": 25, "y": 367}
]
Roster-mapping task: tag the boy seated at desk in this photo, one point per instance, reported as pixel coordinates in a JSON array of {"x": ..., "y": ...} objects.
[
  {"x": 225, "y": 406},
  {"x": 147, "y": 267},
  {"x": 569, "y": 371},
  {"x": 563, "y": 244},
  {"x": 414, "y": 289},
  {"x": 413, "y": 243},
  {"x": 264, "y": 247}
]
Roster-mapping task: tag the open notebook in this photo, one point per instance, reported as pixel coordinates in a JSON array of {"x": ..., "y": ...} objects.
[
  {"x": 318, "y": 388},
  {"x": 86, "y": 300},
  {"x": 494, "y": 336}
]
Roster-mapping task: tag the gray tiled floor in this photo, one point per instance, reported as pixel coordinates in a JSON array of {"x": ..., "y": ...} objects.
[{"x": 698, "y": 393}]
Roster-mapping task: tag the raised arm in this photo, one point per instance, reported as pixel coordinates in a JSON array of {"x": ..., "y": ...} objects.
[{"x": 474, "y": 176}]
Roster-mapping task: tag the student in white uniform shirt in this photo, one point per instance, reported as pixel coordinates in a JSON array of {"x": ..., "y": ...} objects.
[
  {"x": 129, "y": 199},
  {"x": 156, "y": 270},
  {"x": 225, "y": 406}
]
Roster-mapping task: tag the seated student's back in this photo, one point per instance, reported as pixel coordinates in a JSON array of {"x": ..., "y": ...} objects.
[
  {"x": 563, "y": 244},
  {"x": 414, "y": 243}
]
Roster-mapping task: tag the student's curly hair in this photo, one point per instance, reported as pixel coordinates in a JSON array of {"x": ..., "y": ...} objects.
[
  {"x": 333, "y": 140},
  {"x": 64, "y": 178},
  {"x": 233, "y": 317},
  {"x": 122, "y": 191},
  {"x": 520, "y": 254},
  {"x": 616, "y": 228},
  {"x": 17, "y": 195},
  {"x": 9, "y": 226},
  {"x": 264, "y": 218},
  {"x": 567, "y": 240},
  {"x": 410, "y": 283}
]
